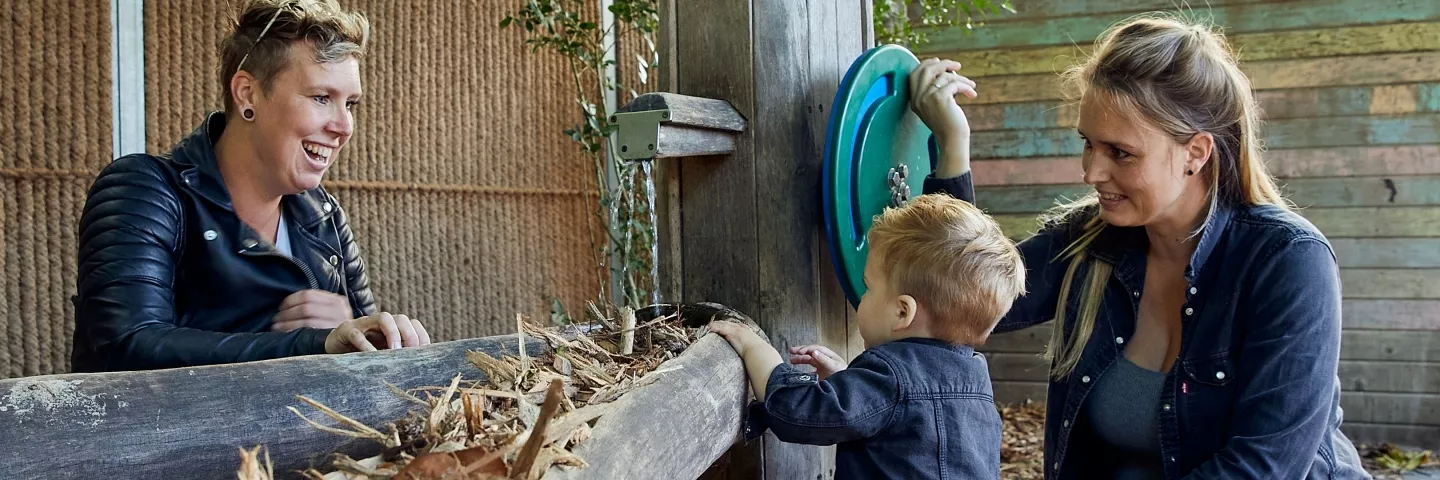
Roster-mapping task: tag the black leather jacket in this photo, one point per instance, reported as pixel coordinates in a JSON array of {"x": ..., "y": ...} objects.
[{"x": 170, "y": 277}]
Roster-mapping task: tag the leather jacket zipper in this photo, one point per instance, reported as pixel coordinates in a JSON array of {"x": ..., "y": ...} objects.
[{"x": 314, "y": 285}]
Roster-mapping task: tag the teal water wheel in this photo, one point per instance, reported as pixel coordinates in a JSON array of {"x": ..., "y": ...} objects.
[{"x": 877, "y": 154}]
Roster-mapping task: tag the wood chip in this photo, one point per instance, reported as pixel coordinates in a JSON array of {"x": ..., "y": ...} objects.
[{"x": 474, "y": 427}]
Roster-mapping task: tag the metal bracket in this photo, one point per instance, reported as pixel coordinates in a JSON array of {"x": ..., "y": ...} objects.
[
  {"x": 899, "y": 190},
  {"x": 638, "y": 133}
]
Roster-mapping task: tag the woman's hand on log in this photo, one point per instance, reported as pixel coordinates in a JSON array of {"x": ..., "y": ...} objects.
[
  {"x": 312, "y": 309},
  {"x": 825, "y": 361},
  {"x": 933, "y": 87},
  {"x": 375, "y": 332}
]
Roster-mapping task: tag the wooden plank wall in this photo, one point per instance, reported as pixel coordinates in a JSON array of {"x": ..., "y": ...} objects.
[
  {"x": 750, "y": 228},
  {"x": 1351, "y": 93}
]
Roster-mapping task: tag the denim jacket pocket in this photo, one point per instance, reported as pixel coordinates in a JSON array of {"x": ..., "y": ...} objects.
[{"x": 1215, "y": 370}]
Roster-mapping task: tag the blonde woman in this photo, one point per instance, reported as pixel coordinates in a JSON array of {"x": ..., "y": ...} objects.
[
  {"x": 227, "y": 249},
  {"x": 1196, "y": 317}
]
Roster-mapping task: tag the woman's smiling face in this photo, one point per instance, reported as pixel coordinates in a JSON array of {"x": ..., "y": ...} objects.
[{"x": 1138, "y": 170}]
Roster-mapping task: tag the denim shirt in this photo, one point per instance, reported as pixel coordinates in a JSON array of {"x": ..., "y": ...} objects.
[
  {"x": 915, "y": 408},
  {"x": 1255, "y": 391}
]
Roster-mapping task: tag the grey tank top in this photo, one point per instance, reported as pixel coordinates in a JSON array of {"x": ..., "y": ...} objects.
[{"x": 1123, "y": 411}]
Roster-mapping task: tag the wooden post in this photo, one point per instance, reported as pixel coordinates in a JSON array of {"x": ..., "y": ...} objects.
[
  {"x": 191, "y": 422},
  {"x": 752, "y": 229}
]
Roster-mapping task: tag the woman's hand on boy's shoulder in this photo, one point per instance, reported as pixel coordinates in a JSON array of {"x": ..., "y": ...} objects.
[{"x": 825, "y": 360}]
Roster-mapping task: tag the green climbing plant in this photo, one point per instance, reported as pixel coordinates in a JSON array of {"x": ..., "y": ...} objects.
[
  {"x": 625, "y": 209},
  {"x": 904, "y": 22}
]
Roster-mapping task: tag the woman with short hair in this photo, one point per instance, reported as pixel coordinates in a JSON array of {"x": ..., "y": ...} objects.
[{"x": 228, "y": 249}]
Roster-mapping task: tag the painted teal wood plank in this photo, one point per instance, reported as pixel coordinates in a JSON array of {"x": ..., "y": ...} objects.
[
  {"x": 1235, "y": 19},
  {"x": 1030, "y": 115},
  {"x": 1053, "y": 142},
  {"x": 1387, "y": 252},
  {"x": 1276, "y": 104},
  {"x": 1025, "y": 9},
  {"x": 1363, "y": 191},
  {"x": 1420, "y": 190},
  {"x": 1429, "y": 98},
  {"x": 1413, "y": 129}
]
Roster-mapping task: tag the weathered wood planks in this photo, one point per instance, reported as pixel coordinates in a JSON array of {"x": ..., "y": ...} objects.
[
  {"x": 1377, "y": 69},
  {"x": 674, "y": 427},
  {"x": 1409, "y": 129},
  {"x": 1252, "y": 47},
  {"x": 1423, "y": 97},
  {"x": 1309, "y": 162},
  {"x": 1237, "y": 17},
  {"x": 190, "y": 422}
]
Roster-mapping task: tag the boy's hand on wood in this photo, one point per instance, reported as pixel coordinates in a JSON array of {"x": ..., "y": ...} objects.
[
  {"x": 741, "y": 337},
  {"x": 825, "y": 361}
]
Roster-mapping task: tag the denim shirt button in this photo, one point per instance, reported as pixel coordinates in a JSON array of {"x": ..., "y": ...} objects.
[
  {"x": 1189, "y": 311},
  {"x": 1067, "y": 424},
  {"x": 1219, "y": 375},
  {"x": 1136, "y": 293},
  {"x": 1166, "y": 407},
  {"x": 1056, "y": 467},
  {"x": 1119, "y": 340},
  {"x": 1085, "y": 379},
  {"x": 804, "y": 378},
  {"x": 1193, "y": 290}
]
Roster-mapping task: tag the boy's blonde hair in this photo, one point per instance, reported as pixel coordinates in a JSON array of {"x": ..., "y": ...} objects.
[{"x": 954, "y": 260}]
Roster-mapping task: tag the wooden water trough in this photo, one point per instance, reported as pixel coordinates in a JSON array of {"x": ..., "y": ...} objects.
[{"x": 191, "y": 422}]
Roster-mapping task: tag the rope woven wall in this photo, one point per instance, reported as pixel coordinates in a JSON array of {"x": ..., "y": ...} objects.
[
  {"x": 466, "y": 198},
  {"x": 54, "y": 116}
]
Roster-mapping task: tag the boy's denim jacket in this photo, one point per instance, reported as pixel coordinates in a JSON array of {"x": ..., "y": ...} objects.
[
  {"x": 913, "y": 409},
  {"x": 1254, "y": 393}
]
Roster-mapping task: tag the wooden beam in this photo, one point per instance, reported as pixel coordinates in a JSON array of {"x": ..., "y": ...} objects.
[
  {"x": 1392, "y": 408},
  {"x": 1307, "y": 162},
  {"x": 1356, "y": 131},
  {"x": 677, "y": 142},
  {"x": 1390, "y": 377},
  {"x": 1253, "y": 47},
  {"x": 191, "y": 421},
  {"x": 1419, "y": 436},
  {"x": 1276, "y": 105},
  {"x": 686, "y": 126},
  {"x": 1381, "y": 69},
  {"x": 1387, "y": 252},
  {"x": 1390, "y": 346},
  {"x": 715, "y": 59},
  {"x": 1238, "y": 17},
  {"x": 675, "y": 427},
  {"x": 1407, "y": 191},
  {"x": 1397, "y": 283},
  {"x": 667, "y": 174},
  {"x": 1393, "y": 314}
]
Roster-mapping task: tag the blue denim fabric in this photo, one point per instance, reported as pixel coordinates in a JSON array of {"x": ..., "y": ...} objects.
[
  {"x": 913, "y": 409},
  {"x": 1254, "y": 392}
]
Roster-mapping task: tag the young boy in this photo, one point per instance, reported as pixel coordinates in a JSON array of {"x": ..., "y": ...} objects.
[{"x": 917, "y": 402}]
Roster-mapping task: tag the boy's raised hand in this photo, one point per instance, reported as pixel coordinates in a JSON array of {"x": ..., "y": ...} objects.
[{"x": 825, "y": 361}]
